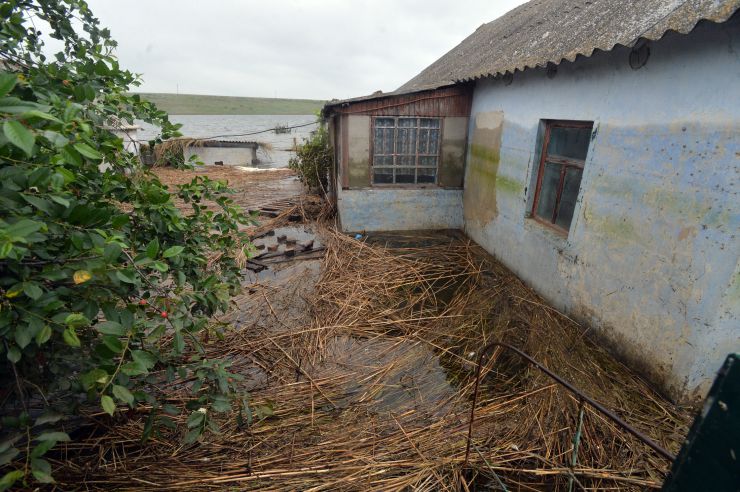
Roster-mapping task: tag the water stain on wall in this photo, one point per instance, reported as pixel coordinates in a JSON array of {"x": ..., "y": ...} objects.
[{"x": 479, "y": 197}]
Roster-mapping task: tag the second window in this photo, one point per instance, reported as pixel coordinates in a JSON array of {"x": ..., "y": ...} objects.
[
  {"x": 559, "y": 178},
  {"x": 405, "y": 150}
]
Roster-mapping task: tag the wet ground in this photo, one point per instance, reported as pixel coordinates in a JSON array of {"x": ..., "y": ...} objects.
[
  {"x": 253, "y": 188},
  {"x": 383, "y": 374},
  {"x": 358, "y": 363}
]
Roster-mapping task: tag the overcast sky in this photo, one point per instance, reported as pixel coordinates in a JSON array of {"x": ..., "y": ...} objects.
[{"x": 314, "y": 49}]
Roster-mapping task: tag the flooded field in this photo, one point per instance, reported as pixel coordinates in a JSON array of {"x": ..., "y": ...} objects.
[{"x": 223, "y": 127}]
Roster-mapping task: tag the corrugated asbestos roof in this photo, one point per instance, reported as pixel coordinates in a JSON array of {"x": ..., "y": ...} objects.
[{"x": 551, "y": 31}]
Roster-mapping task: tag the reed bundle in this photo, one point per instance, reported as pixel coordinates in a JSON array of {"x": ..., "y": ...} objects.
[{"x": 364, "y": 365}]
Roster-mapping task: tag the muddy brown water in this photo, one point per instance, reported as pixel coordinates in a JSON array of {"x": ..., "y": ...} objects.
[{"x": 384, "y": 375}]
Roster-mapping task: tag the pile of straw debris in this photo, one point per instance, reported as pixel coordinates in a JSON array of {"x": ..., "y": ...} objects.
[{"x": 360, "y": 371}]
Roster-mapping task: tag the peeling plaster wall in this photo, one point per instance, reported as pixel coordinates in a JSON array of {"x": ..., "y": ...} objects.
[
  {"x": 452, "y": 162},
  {"x": 358, "y": 150},
  {"x": 651, "y": 259}
]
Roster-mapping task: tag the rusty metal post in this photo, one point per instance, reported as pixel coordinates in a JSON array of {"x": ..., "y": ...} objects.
[{"x": 576, "y": 443}]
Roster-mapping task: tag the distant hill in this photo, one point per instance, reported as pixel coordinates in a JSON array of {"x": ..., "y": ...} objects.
[{"x": 197, "y": 104}]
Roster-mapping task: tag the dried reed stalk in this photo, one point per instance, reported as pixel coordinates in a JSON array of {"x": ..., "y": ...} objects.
[{"x": 368, "y": 363}]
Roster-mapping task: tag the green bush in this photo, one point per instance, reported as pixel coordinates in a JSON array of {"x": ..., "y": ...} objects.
[
  {"x": 106, "y": 287},
  {"x": 313, "y": 160}
]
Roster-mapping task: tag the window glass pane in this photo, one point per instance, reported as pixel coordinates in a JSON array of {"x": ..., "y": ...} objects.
[
  {"x": 382, "y": 175},
  {"x": 571, "y": 184},
  {"x": 405, "y": 174},
  {"x": 424, "y": 141},
  {"x": 383, "y": 160},
  {"x": 379, "y": 141},
  {"x": 428, "y": 161},
  {"x": 426, "y": 175},
  {"x": 388, "y": 138},
  {"x": 549, "y": 191},
  {"x": 433, "y": 142},
  {"x": 406, "y": 160},
  {"x": 429, "y": 123},
  {"x": 569, "y": 142},
  {"x": 407, "y": 122},
  {"x": 406, "y": 141},
  {"x": 385, "y": 122}
]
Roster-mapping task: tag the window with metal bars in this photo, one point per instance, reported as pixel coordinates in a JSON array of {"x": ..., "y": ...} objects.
[
  {"x": 561, "y": 166},
  {"x": 405, "y": 150}
]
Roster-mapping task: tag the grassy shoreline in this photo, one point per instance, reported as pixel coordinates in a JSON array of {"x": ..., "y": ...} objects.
[{"x": 200, "y": 104}]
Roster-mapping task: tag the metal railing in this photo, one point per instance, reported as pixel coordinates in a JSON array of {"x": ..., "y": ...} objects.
[{"x": 582, "y": 399}]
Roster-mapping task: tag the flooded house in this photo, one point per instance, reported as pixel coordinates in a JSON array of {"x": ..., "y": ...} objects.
[{"x": 591, "y": 146}]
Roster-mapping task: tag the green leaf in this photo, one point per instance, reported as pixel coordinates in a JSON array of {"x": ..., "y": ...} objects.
[
  {"x": 152, "y": 248},
  {"x": 32, "y": 290},
  {"x": 60, "y": 200},
  {"x": 35, "y": 113},
  {"x": 93, "y": 378},
  {"x": 9, "y": 479},
  {"x": 113, "y": 343},
  {"x": 173, "y": 251},
  {"x": 88, "y": 151},
  {"x": 8, "y": 455},
  {"x": 7, "y": 82},
  {"x": 144, "y": 358},
  {"x": 14, "y": 355},
  {"x": 108, "y": 404},
  {"x": 43, "y": 335},
  {"x": 49, "y": 417},
  {"x": 53, "y": 436},
  {"x": 112, "y": 252},
  {"x": 76, "y": 320},
  {"x": 41, "y": 470},
  {"x": 195, "y": 419},
  {"x": 5, "y": 249},
  {"x": 221, "y": 404},
  {"x": 123, "y": 394},
  {"x": 42, "y": 448},
  {"x": 71, "y": 338},
  {"x": 179, "y": 342},
  {"x": 23, "y": 336},
  {"x": 133, "y": 369},
  {"x": 111, "y": 328},
  {"x": 19, "y": 136},
  {"x": 24, "y": 228},
  {"x": 126, "y": 276},
  {"x": 8, "y": 442},
  {"x": 70, "y": 156}
]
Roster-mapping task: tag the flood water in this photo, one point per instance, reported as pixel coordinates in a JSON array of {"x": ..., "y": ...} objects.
[
  {"x": 233, "y": 127},
  {"x": 382, "y": 374}
]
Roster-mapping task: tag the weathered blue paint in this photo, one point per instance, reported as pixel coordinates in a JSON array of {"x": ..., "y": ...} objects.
[
  {"x": 652, "y": 256},
  {"x": 400, "y": 209}
]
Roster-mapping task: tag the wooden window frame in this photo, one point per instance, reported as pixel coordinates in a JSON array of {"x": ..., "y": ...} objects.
[
  {"x": 565, "y": 163},
  {"x": 417, "y": 155}
]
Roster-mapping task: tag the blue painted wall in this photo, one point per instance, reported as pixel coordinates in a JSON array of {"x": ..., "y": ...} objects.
[
  {"x": 651, "y": 258},
  {"x": 401, "y": 209}
]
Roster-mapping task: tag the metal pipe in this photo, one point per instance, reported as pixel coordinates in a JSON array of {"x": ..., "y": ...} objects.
[{"x": 600, "y": 408}]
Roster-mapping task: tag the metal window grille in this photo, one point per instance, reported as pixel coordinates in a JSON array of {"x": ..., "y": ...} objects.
[
  {"x": 561, "y": 166},
  {"x": 405, "y": 150}
]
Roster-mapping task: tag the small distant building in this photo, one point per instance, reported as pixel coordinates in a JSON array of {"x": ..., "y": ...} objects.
[
  {"x": 593, "y": 147},
  {"x": 126, "y": 132},
  {"x": 223, "y": 152}
]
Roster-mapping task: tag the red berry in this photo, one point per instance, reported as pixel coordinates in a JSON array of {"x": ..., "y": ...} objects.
[
  {"x": 163, "y": 314},
  {"x": 142, "y": 302}
]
